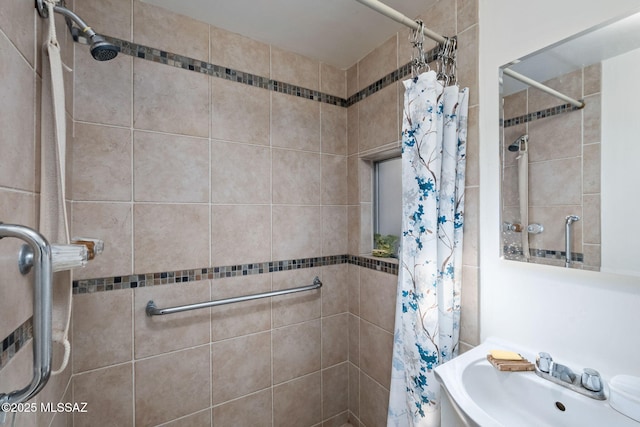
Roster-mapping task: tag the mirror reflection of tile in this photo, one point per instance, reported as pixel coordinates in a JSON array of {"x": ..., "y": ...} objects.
[{"x": 564, "y": 170}]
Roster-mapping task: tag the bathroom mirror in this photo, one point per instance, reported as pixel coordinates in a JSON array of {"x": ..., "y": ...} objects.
[{"x": 568, "y": 174}]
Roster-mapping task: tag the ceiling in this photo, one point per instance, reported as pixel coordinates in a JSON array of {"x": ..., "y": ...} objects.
[{"x": 337, "y": 32}]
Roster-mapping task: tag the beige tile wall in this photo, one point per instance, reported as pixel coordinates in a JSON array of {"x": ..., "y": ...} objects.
[
  {"x": 20, "y": 98},
  {"x": 177, "y": 170},
  {"x": 284, "y": 359},
  {"x": 564, "y": 166},
  {"x": 374, "y": 127}
]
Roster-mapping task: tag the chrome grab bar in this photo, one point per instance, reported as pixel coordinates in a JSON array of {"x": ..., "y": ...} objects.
[
  {"x": 43, "y": 278},
  {"x": 152, "y": 310},
  {"x": 568, "y": 239}
]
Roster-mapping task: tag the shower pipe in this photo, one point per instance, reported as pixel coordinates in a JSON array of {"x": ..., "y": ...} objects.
[
  {"x": 43, "y": 276},
  {"x": 152, "y": 310},
  {"x": 405, "y": 20}
]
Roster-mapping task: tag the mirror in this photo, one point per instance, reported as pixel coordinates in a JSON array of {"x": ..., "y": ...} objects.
[{"x": 568, "y": 174}]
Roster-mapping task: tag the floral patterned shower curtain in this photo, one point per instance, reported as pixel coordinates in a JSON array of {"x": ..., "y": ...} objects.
[{"x": 428, "y": 301}]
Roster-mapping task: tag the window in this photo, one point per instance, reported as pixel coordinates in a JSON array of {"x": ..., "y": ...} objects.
[{"x": 387, "y": 206}]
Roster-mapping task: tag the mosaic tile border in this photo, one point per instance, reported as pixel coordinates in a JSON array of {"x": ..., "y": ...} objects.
[
  {"x": 15, "y": 341},
  {"x": 172, "y": 59},
  {"x": 211, "y": 273},
  {"x": 545, "y": 253},
  {"x": 180, "y": 61},
  {"x": 390, "y": 78},
  {"x": 378, "y": 264},
  {"x": 542, "y": 114}
]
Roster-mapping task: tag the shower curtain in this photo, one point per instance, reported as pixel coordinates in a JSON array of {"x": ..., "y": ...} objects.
[{"x": 428, "y": 302}]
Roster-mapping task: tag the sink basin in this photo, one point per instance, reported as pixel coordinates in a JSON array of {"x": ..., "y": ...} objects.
[{"x": 477, "y": 394}]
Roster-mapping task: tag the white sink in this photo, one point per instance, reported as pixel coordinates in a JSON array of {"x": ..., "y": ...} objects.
[{"x": 477, "y": 394}]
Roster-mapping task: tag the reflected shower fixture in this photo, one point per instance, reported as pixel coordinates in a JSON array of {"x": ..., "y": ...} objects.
[
  {"x": 568, "y": 239},
  {"x": 519, "y": 143},
  {"x": 100, "y": 49}
]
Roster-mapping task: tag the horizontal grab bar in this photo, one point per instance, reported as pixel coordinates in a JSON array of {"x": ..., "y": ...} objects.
[{"x": 152, "y": 310}]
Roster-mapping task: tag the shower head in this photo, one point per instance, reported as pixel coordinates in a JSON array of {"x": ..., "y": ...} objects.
[
  {"x": 570, "y": 219},
  {"x": 101, "y": 49},
  {"x": 517, "y": 145}
]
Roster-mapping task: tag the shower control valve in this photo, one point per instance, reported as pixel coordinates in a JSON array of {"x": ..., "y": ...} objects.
[{"x": 508, "y": 226}]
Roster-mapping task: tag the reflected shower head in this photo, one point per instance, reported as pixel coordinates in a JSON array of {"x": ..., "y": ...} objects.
[
  {"x": 101, "y": 49},
  {"x": 517, "y": 144}
]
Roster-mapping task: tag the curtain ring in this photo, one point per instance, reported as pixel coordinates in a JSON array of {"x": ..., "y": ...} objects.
[
  {"x": 418, "y": 58},
  {"x": 447, "y": 61}
]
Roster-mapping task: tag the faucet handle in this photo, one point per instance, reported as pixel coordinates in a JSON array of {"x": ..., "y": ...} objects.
[
  {"x": 544, "y": 361},
  {"x": 591, "y": 380}
]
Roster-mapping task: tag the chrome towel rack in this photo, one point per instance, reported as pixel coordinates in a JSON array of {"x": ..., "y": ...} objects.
[
  {"x": 152, "y": 310},
  {"x": 40, "y": 258}
]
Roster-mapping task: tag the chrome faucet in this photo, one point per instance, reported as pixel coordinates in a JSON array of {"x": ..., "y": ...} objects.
[{"x": 589, "y": 383}]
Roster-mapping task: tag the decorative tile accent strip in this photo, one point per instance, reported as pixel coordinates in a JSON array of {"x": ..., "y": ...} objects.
[
  {"x": 211, "y": 273},
  {"x": 544, "y": 253},
  {"x": 390, "y": 78},
  {"x": 378, "y": 264},
  {"x": 549, "y": 112},
  {"x": 191, "y": 64},
  {"x": 15, "y": 341},
  {"x": 181, "y": 276}
]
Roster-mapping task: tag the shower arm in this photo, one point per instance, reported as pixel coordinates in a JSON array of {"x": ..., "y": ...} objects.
[{"x": 68, "y": 14}]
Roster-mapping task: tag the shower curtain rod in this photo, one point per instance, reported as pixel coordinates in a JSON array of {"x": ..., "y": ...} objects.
[
  {"x": 528, "y": 81},
  {"x": 405, "y": 20}
]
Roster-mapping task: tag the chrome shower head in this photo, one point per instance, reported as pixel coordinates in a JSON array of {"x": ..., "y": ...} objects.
[
  {"x": 102, "y": 50},
  {"x": 517, "y": 144}
]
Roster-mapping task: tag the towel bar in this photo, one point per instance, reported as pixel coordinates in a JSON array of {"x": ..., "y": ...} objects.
[{"x": 152, "y": 310}]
